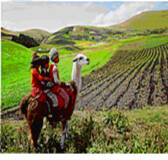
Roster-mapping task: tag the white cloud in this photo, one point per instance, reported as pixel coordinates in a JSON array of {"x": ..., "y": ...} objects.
[
  {"x": 124, "y": 12},
  {"x": 48, "y": 15},
  {"x": 53, "y": 16}
]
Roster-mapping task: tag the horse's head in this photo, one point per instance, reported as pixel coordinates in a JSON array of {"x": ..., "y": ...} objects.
[{"x": 81, "y": 59}]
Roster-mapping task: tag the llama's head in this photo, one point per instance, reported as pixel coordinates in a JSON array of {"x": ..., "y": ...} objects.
[{"x": 81, "y": 59}]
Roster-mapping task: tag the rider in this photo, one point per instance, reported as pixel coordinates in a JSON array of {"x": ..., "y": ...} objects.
[
  {"x": 54, "y": 57},
  {"x": 37, "y": 78},
  {"x": 46, "y": 86}
]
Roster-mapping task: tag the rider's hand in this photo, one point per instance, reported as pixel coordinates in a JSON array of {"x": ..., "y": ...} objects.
[{"x": 50, "y": 84}]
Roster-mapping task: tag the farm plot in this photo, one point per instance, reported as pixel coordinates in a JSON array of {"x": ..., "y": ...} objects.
[{"x": 130, "y": 79}]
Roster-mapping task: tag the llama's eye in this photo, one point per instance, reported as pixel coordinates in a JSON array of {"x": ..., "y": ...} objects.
[{"x": 80, "y": 58}]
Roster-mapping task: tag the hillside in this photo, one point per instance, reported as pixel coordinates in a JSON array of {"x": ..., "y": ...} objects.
[
  {"x": 134, "y": 77},
  {"x": 7, "y": 34},
  {"x": 147, "y": 20},
  {"x": 146, "y": 23},
  {"x": 37, "y": 34},
  {"x": 28, "y": 38},
  {"x": 15, "y": 67}
]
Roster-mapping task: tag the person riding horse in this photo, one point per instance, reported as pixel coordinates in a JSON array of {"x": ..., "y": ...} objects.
[
  {"x": 54, "y": 74},
  {"x": 41, "y": 82}
]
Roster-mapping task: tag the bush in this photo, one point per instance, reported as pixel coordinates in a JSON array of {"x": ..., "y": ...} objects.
[{"x": 92, "y": 132}]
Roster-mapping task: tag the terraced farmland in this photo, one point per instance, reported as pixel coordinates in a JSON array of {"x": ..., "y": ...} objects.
[{"x": 131, "y": 79}]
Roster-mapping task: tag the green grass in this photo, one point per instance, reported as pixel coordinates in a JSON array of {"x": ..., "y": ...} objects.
[
  {"x": 114, "y": 131},
  {"x": 154, "y": 41},
  {"x": 147, "y": 20},
  {"x": 16, "y": 59},
  {"x": 15, "y": 72},
  {"x": 98, "y": 57},
  {"x": 63, "y": 49},
  {"x": 141, "y": 42},
  {"x": 16, "y": 78}
]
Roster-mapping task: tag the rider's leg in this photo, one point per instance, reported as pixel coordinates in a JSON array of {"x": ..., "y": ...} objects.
[
  {"x": 64, "y": 94},
  {"x": 53, "y": 97}
]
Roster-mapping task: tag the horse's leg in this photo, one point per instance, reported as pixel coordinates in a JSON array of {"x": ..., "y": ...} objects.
[
  {"x": 35, "y": 129},
  {"x": 64, "y": 133}
]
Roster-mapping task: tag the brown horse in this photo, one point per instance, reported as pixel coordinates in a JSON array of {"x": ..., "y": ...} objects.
[{"x": 35, "y": 111}]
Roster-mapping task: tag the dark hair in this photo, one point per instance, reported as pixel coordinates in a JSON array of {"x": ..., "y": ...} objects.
[
  {"x": 36, "y": 60},
  {"x": 44, "y": 60}
]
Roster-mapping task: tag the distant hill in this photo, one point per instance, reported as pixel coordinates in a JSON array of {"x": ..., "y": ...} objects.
[
  {"x": 28, "y": 38},
  {"x": 7, "y": 34},
  {"x": 37, "y": 34},
  {"x": 147, "y": 20},
  {"x": 146, "y": 23},
  {"x": 155, "y": 21}
]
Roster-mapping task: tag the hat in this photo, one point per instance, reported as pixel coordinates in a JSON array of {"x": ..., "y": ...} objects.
[
  {"x": 36, "y": 60},
  {"x": 53, "y": 53},
  {"x": 44, "y": 59}
]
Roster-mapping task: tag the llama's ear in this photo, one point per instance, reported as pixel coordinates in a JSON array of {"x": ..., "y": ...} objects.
[{"x": 74, "y": 60}]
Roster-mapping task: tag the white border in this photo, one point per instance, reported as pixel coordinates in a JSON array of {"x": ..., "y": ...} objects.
[
  {"x": 82, "y": 156},
  {"x": 84, "y": 0}
]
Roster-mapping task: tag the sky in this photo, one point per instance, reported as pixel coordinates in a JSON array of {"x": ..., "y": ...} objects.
[{"x": 52, "y": 16}]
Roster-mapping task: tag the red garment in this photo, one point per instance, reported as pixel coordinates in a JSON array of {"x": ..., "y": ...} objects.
[
  {"x": 56, "y": 90},
  {"x": 36, "y": 84}
]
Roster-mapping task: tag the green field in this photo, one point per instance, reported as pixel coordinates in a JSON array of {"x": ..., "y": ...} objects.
[
  {"x": 16, "y": 59},
  {"x": 15, "y": 72},
  {"x": 147, "y": 20},
  {"x": 16, "y": 78},
  {"x": 115, "y": 131},
  {"x": 123, "y": 104}
]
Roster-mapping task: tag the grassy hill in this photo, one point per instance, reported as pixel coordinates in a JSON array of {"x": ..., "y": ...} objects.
[
  {"x": 37, "y": 34},
  {"x": 7, "y": 34},
  {"x": 15, "y": 72},
  {"x": 96, "y": 42},
  {"x": 16, "y": 59},
  {"x": 147, "y": 20}
]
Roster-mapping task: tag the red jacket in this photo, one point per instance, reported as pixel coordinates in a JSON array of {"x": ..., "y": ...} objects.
[{"x": 36, "y": 82}]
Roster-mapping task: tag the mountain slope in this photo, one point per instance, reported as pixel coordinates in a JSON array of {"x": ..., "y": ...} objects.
[
  {"x": 147, "y": 20},
  {"x": 37, "y": 34},
  {"x": 34, "y": 35},
  {"x": 15, "y": 70}
]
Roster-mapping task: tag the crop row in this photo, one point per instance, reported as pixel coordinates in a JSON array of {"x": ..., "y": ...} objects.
[{"x": 131, "y": 78}]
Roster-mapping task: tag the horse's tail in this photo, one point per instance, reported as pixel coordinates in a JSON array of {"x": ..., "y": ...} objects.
[{"x": 24, "y": 104}]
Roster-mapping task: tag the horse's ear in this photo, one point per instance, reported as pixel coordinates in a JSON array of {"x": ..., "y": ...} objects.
[{"x": 74, "y": 60}]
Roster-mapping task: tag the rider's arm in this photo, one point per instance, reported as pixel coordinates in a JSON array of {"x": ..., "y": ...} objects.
[
  {"x": 40, "y": 77},
  {"x": 55, "y": 75}
]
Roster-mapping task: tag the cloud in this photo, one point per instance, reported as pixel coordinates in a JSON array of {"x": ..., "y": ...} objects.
[
  {"x": 124, "y": 12},
  {"x": 48, "y": 15}
]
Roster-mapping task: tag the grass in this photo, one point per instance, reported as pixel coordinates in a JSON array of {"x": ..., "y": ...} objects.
[
  {"x": 16, "y": 59},
  {"x": 113, "y": 131},
  {"x": 147, "y": 20},
  {"x": 15, "y": 72},
  {"x": 36, "y": 34},
  {"x": 16, "y": 79},
  {"x": 141, "y": 42}
]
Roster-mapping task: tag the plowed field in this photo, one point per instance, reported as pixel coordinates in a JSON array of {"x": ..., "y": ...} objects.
[{"x": 130, "y": 79}]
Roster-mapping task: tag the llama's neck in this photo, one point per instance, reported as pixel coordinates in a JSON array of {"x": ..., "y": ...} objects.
[{"x": 76, "y": 75}]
